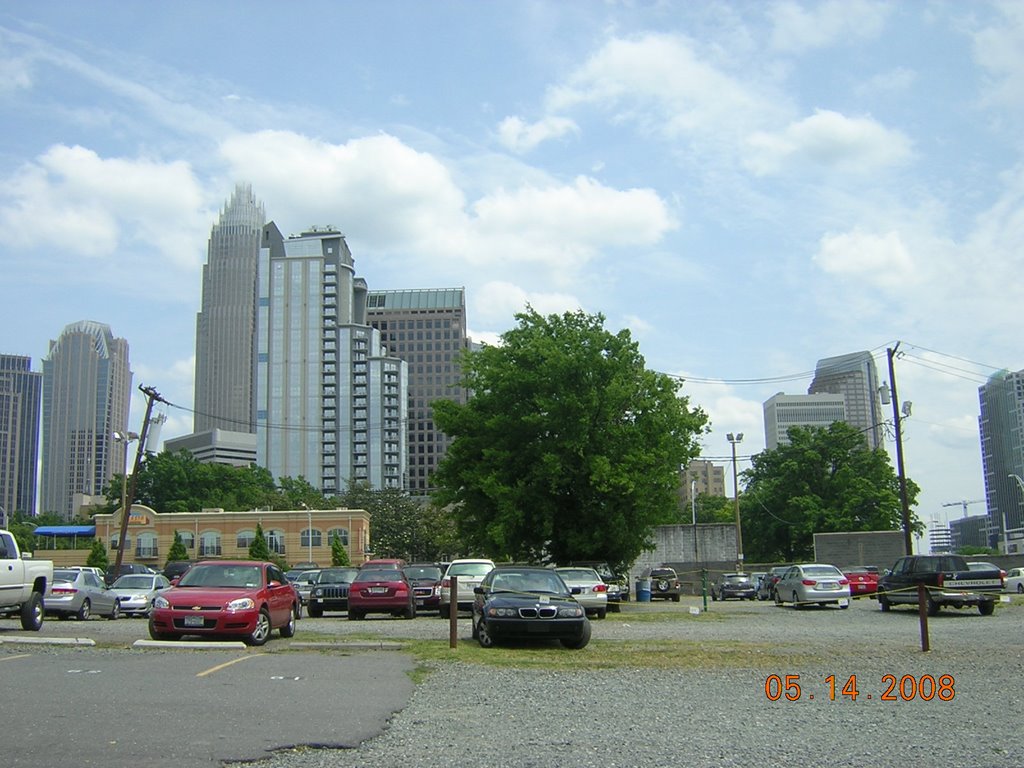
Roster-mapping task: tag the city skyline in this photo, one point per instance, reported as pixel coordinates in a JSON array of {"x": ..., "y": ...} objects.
[{"x": 748, "y": 188}]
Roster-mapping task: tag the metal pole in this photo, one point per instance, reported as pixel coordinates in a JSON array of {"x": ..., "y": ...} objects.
[
  {"x": 151, "y": 396},
  {"x": 733, "y": 439},
  {"x": 897, "y": 422},
  {"x": 693, "y": 510}
]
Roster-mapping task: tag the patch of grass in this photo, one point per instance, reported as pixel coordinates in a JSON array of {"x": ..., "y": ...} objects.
[{"x": 613, "y": 654}]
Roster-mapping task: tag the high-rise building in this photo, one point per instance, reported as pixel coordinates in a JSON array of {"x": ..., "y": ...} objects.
[
  {"x": 86, "y": 395},
  {"x": 20, "y": 397},
  {"x": 784, "y": 411},
  {"x": 1001, "y": 425},
  {"x": 702, "y": 476},
  {"x": 427, "y": 329},
  {"x": 226, "y": 323},
  {"x": 331, "y": 403},
  {"x": 854, "y": 376}
]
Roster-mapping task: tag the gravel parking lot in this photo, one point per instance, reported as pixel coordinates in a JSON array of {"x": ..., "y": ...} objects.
[{"x": 717, "y": 713}]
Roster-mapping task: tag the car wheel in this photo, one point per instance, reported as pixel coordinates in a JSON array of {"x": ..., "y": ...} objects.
[
  {"x": 986, "y": 607},
  {"x": 796, "y": 601},
  {"x": 409, "y": 613},
  {"x": 602, "y": 612},
  {"x": 581, "y": 641},
  {"x": 474, "y": 631},
  {"x": 261, "y": 632},
  {"x": 483, "y": 636},
  {"x": 615, "y": 608},
  {"x": 883, "y": 602},
  {"x": 84, "y": 611},
  {"x": 115, "y": 612},
  {"x": 443, "y": 611},
  {"x": 158, "y": 635},
  {"x": 931, "y": 606},
  {"x": 288, "y": 630},
  {"x": 32, "y": 613},
  {"x": 355, "y": 615},
  {"x": 777, "y": 598},
  {"x": 315, "y": 611},
  {"x": 1020, "y": 589},
  {"x": 675, "y": 598},
  {"x": 714, "y": 598}
]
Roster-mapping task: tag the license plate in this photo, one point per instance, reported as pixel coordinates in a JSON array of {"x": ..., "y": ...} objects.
[
  {"x": 828, "y": 585},
  {"x": 421, "y": 601},
  {"x": 378, "y": 590},
  {"x": 844, "y": 602},
  {"x": 195, "y": 621}
]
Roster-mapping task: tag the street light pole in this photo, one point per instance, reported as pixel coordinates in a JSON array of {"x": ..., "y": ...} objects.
[
  {"x": 733, "y": 440},
  {"x": 897, "y": 424}
]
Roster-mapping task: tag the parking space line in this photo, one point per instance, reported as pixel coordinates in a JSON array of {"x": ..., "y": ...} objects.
[
  {"x": 19, "y": 656},
  {"x": 219, "y": 667}
]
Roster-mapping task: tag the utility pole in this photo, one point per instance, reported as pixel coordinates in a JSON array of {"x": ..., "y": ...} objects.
[
  {"x": 897, "y": 422},
  {"x": 152, "y": 396}
]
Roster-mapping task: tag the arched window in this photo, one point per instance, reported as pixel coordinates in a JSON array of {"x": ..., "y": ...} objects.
[
  {"x": 316, "y": 535},
  {"x": 244, "y": 539},
  {"x": 341, "y": 533},
  {"x": 209, "y": 544},
  {"x": 146, "y": 546},
  {"x": 275, "y": 541},
  {"x": 187, "y": 538},
  {"x": 116, "y": 537}
]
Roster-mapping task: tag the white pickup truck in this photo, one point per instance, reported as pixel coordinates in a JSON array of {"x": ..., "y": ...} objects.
[{"x": 23, "y": 582}]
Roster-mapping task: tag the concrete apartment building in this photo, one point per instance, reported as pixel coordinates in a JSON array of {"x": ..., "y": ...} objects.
[
  {"x": 331, "y": 402},
  {"x": 855, "y": 377},
  {"x": 783, "y": 411}
]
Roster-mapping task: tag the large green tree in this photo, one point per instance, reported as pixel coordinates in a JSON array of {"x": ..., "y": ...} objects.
[
  {"x": 826, "y": 480},
  {"x": 569, "y": 447},
  {"x": 399, "y": 525}
]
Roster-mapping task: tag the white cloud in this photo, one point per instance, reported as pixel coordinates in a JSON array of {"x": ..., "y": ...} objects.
[
  {"x": 660, "y": 82},
  {"x": 879, "y": 259},
  {"x": 494, "y": 304},
  {"x": 999, "y": 48},
  {"x": 88, "y": 205},
  {"x": 801, "y": 26},
  {"x": 828, "y": 140},
  {"x": 521, "y": 137}
]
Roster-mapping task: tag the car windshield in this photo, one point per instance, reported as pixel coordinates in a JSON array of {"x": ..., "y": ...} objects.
[
  {"x": 134, "y": 582},
  {"x": 821, "y": 570},
  {"x": 736, "y": 578},
  {"x": 340, "y": 576},
  {"x": 578, "y": 574},
  {"x": 227, "y": 576},
  {"x": 663, "y": 573},
  {"x": 426, "y": 572},
  {"x": 378, "y": 574},
  {"x": 540, "y": 581},
  {"x": 65, "y": 575},
  {"x": 469, "y": 569}
]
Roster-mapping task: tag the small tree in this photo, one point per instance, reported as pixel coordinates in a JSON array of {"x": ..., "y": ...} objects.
[
  {"x": 339, "y": 554},
  {"x": 177, "y": 551},
  {"x": 98, "y": 555},
  {"x": 259, "y": 549}
]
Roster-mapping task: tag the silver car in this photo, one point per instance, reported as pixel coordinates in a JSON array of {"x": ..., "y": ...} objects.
[
  {"x": 80, "y": 594},
  {"x": 470, "y": 572},
  {"x": 593, "y": 594},
  {"x": 813, "y": 583},
  {"x": 136, "y": 592}
]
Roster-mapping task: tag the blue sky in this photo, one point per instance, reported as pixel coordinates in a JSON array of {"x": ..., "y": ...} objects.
[{"x": 747, "y": 186}]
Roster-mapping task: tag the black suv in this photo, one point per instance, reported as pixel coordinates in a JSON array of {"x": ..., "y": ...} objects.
[
  {"x": 111, "y": 574},
  {"x": 737, "y": 585},
  {"x": 664, "y": 584}
]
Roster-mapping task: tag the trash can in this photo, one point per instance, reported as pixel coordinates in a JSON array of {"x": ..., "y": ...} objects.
[{"x": 643, "y": 590}]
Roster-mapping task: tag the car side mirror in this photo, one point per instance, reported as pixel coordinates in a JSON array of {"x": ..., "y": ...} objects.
[
  {"x": 479, "y": 590},
  {"x": 274, "y": 583}
]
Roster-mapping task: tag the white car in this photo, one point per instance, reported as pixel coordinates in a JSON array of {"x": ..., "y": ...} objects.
[
  {"x": 470, "y": 572},
  {"x": 813, "y": 583},
  {"x": 1014, "y": 581},
  {"x": 593, "y": 595}
]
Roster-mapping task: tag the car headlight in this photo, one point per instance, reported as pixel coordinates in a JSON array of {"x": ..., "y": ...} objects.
[
  {"x": 492, "y": 611},
  {"x": 241, "y": 604},
  {"x": 570, "y": 611},
  {"x": 161, "y": 602},
  {"x": 317, "y": 592}
]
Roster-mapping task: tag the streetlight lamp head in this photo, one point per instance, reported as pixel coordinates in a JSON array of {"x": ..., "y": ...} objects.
[
  {"x": 729, "y": 436},
  {"x": 739, "y": 437}
]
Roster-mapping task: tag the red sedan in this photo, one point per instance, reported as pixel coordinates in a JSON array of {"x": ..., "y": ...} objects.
[
  {"x": 242, "y": 598},
  {"x": 381, "y": 591},
  {"x": 863, "y": 581}
]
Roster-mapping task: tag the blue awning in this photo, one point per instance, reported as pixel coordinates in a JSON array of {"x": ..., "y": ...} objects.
[{"x": 65, "y": 530}]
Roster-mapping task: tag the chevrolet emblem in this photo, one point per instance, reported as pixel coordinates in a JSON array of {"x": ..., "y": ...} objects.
[{"x": 197, "y": 607}]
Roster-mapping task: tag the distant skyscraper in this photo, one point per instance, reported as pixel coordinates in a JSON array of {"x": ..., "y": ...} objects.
[
  {"x": 86, "y": 395},
  {"x": 20, "y": 397},
  {"x": 784, "y": 411},
  {"x": 1001, "y": 425},
  {"x": 226, "y": 323},
  {"x": 427, "y": 329},
  {"x": 331, "y": 404},
  {"x": 854, "y": 376},
  {"x": 709, "y": 479}
]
